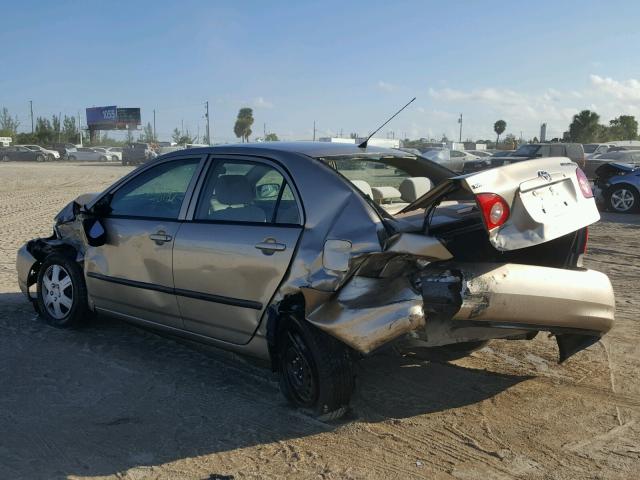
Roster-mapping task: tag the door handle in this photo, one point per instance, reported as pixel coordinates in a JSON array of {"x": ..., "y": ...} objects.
[
  {"x": 160, "y": 237},
  {"x": 269, "y": 246}
]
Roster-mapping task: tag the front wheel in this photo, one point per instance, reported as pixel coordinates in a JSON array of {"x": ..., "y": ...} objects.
[
  {"x": 316, "y": 370},
  {"x": 623, "y": 199},
  {"x": 40, "y": 158},
  {"x": 104, "y": 159},
  {"x": 61, "y": 292},
  {"x": 72, "y": 158}
]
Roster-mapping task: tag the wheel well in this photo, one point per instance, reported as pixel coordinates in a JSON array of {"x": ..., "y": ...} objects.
[
  {"x": 277, "y": 318},
  {"x": 41, "y": 248},
  {"x": 623, "y": 184}
]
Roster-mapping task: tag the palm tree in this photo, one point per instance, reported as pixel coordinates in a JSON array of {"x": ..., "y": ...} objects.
[
  {"x": 499, "y": 128},
  {"x": 242, "y": 128},
  {"x": 584, "y": 128}
]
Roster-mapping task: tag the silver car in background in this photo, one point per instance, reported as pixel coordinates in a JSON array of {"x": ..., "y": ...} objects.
[
  {"x": 312, "y": 255},
  {"x": 87, "y": 154}
]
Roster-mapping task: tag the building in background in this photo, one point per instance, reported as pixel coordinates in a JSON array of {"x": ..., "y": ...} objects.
[{"x": 543, "y": 132}]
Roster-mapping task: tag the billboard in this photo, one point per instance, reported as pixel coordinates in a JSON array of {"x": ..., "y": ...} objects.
[
  {"x": 112, "y": 117},
  {"x": 128, "y": 117},
  {"x": 102, "y": 117}
]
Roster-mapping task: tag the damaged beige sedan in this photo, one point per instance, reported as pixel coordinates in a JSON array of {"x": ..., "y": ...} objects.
[{"x": 312, "y": 255}]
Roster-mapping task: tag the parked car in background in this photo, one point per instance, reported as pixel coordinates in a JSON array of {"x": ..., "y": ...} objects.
[
  {"x": 530, "y": 151},
  {"x": 87, "y": 154},
  {"x": 50, "y": 154},
  {"x": 617, "y": 186},
  {"x": 620, "y": 156},
  {"x": 64, "y": 149},
  {"x": 115, "y": 152},
  {"x": 137, "y": 153},
  {"x": 454, "y": 160},
  {"x": 107, "y": 153},
  {"x": 21, "y": 153},
  {"x": 479, "y": 153},
  {"x": 592, "y": 149},
  {"x": 289, "y": 252}
]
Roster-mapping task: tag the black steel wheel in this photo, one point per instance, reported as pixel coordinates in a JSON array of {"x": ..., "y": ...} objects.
[{"x": 316, "y": 370}]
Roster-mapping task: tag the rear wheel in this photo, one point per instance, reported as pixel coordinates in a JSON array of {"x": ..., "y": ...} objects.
[
  {"x": 104, "y": 159},
  {"x": 61, "y": 292},
  {"x": 40, "y": 158},
  {"x": 316, "y": 370},
  {"x": 72, "y": 158},
  {"x": 623, "y": 199}
]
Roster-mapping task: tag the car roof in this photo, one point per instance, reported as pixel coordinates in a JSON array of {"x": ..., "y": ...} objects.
[{"x": 311, "y": 149}]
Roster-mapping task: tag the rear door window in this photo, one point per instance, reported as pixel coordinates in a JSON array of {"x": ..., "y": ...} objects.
[{"x": 247, "y": 192}]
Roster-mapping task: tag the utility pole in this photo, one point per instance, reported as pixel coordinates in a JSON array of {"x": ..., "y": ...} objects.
[
  {"x": 155, "y": 137},
  {"x": 59, "y": 125},
  {"x": 207, "y": 117},
  {"x": 31, "y": 108},
  {"x": 460, "y": 122},
  {"x": 182, "y": 127},
  {"x": 79, "y": 129},
  {"x": 314, "y": 130}
]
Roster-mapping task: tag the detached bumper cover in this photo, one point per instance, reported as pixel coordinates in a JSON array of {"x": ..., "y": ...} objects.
[
  {"x": 547, "y": 298},
  {"x": 24, "y": 265}
]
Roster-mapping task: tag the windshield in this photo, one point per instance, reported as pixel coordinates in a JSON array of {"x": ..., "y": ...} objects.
[
  {"x": 527, "y": 150},
  {"x": 590, "y": 147}
]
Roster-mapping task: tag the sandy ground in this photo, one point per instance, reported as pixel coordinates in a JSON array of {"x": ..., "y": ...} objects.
[{"x": 115, "y": 401}]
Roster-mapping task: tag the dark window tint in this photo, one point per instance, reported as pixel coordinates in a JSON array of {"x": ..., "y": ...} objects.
[
  {"x": 238, "y": 191},
  {"x": 156, "y": 193}
]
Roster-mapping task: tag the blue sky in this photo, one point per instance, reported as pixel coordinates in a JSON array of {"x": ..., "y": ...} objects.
[{"x": 346, "y": 65}]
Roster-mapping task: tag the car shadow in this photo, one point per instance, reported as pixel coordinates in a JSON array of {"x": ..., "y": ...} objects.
[{"x": 110, "y": 396}]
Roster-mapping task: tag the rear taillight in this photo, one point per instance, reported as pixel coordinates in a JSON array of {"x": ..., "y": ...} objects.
[
  {"x": 585, "y": 186},
  {"x": 494, "y": 208}
]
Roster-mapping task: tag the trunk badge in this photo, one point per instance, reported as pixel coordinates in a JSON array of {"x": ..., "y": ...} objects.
[{"x": 545, "y": 175}]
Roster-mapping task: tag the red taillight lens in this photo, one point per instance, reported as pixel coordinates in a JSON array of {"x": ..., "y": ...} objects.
[
  {"x": 494, "y": 209},
  {"x": 585, "y": 186}
]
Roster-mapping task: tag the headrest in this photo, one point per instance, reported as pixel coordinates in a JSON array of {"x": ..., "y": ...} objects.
[
  {"x": 414, "y": 187},
  {"x": 363, "y": 186},
  {"x": 234, "y": 190},
  {"x": 380, "y": 194}
]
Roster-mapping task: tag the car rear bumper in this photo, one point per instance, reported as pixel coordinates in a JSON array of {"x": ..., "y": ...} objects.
[{"x": 532, "y": 297}]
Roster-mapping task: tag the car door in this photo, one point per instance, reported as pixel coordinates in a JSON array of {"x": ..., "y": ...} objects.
[
  {"x": 231, "y": 255},
  {"x": 131, "y": 274}
]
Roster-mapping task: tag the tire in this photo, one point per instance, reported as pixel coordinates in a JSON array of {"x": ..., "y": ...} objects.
[
  {"x": 104, "y": 159},
  {"x": 72, "y": 158},
  {"x": 114, "y": 158},
  {"x": 61, "y": 292},
  {"x": 316, "y": 370},
  {"x": 623, "y": 199},
  {"x": 5, "y": 158},
  {"x": 50, "y": 158},
  {"x": 40, "y": 158}
]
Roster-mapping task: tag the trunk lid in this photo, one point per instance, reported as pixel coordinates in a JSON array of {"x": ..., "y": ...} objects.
[{"x": 544, "y": 198}]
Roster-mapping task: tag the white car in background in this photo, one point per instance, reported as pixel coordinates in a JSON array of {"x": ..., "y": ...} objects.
[
  {"x": 114, "y": 153},
  {"x": 90, "y": 154},
  {"x": 50, "y": 154}
]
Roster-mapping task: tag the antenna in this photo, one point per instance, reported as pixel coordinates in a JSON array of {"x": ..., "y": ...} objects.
[{"x": 364, "y": 144}]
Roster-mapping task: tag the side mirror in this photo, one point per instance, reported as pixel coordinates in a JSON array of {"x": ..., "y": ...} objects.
[
  {"x": 102, "y": 207},
  {"x": 267, "y": 190}
]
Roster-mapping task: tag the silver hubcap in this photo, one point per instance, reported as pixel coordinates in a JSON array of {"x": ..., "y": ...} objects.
[
  {"x": 57, "y": 291},
  {"x": 622, "y": 199}
]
